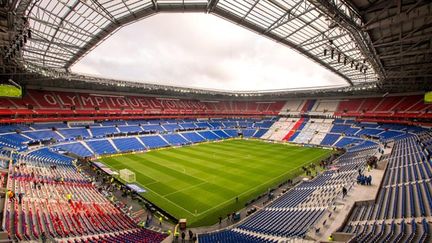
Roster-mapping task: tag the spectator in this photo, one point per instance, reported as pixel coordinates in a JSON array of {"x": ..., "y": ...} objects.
[
  {"x": 20, "y": 197},
  {"x": 43, "y": 237},
  {"x": 11, "y": 195},
  {"x": 344, "y": 192},
  {"x": 69, "y": 197}
]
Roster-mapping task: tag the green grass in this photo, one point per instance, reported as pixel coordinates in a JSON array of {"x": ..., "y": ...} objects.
[{"x": 200, "y": 182}]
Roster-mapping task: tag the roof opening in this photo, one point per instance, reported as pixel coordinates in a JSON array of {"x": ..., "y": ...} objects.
[{"x": 202, "y": 51}]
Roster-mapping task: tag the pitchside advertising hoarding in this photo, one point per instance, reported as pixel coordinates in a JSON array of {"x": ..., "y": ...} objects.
[{"x": 428, "y": 97}]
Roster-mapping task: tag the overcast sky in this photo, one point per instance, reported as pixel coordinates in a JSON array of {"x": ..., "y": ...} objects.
[{"x": 203, "y": 51}]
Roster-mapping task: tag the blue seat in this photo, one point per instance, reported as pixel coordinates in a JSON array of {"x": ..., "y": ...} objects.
[
  {"x": 103, "y": 131},
  {"x": 43, "y": 135},
  {"x": 248, "y": 132},
  {"x": 75, "y": 132},
  {"x": 128, "y": 144},
  {"x": 153, "y": 128},
  {"x": 193, "y": 137},
  {"x": 330, "y": 139},
  {"x": 75, "y": 148},
  {"x": 209, "y": 135},
  {"x": 175, "y": 139},
  {"x": 101, "y": 146},
  {"x": 154, "y": 141},
  {"x": 130, "y": 129},
  {"x": 231, "y": 132}
]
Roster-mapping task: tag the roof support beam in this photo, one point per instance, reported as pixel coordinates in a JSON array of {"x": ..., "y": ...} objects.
[
  {"x": 70, "y": 11},
  {"x": 284, "y": 19},
  {"x": 224, "y": 14},
  {"x": 211, "y": 4},
  {"x": 362, "y": 39}
]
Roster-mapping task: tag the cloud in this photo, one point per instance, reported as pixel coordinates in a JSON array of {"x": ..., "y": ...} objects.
[{"x": 202, "y": 51}]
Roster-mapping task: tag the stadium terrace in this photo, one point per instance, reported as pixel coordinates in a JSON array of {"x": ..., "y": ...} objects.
[{"x": 95, "y": 159}]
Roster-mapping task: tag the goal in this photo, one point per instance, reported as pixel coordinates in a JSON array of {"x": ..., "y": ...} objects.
[{"x": 127, "y": 175}]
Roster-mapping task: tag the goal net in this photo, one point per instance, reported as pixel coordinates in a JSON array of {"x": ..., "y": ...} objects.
[{"x": 127, "y": 175}]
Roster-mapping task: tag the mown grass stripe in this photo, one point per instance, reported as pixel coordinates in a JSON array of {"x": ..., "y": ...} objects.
[{"x": 200, "y": 182}]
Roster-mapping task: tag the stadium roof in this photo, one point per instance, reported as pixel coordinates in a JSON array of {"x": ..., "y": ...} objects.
[{"x": 361, "y": 40}]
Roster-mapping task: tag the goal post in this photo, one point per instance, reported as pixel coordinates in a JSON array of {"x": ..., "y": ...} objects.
[{"x": 127, "y": 175}]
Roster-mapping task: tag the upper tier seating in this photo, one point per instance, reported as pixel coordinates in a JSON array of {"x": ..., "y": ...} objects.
[
  {"x": 172, "y": 127},
  {"x": 54, "y": 107},
  {"x": 42, "y": 135},
  {"x": 339, "y": 128},
  {"x": 13, "y": 128},
  {"x": 130, "y": 129},
  {"x": 59, "y": 105},
  {"x": 186, "y": 125},
  {"x": 397, "y": 107},
  {"x": 103, "y": 131},
  {"x": 41, "y": 126},
  {"x": 13, "y": 140},
  {"x": 326, "y": 106},
  {"x": 75, "y": 132},
  {"x": 153, "y": 128}
]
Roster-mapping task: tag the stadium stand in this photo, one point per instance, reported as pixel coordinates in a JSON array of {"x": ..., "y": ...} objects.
[
  {"x": 154, "y": 141},
  {"x": 102, "y": 146},
  {"x": 175, "y": 139},
  {"x": 209, "y": 135},
  {"x": 406, "y": 185},
  {"x": 406, "y": 181},
  {"x": 128, "y": 144},
  {"x": 193, "y": 137},
  {"x": 44, "y": 210},
  {"x": 75, "y": 148},
  {"x": 74, "y": 133}
]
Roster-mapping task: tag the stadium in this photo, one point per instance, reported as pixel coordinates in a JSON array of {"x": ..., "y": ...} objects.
[{"x": 98, "y": 158}]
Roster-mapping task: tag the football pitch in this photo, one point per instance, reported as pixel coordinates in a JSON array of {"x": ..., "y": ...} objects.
[{"x": 201, "y": 182}]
